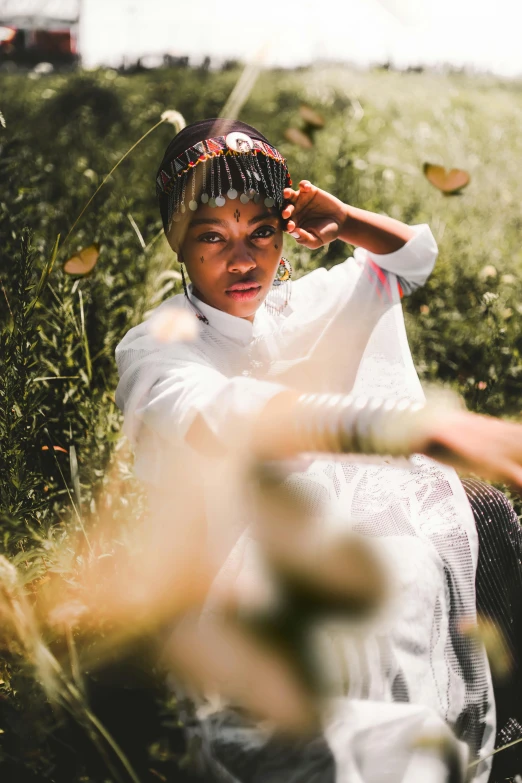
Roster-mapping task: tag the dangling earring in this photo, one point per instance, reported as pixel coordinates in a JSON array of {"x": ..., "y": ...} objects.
[
  {"x": 279, "y": 297},
  {"x": 183, "y": 280},
  {"x": 193, "y": 307}
]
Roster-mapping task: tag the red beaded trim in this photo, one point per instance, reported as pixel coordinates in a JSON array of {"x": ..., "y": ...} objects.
[{"x": 203, "y": 150}]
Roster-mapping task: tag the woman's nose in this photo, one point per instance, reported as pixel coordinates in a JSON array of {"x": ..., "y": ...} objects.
[{"x": 241, "y": 261}]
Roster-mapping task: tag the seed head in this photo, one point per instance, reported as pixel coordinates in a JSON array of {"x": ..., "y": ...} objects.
[{"x": 175, "y": 118}]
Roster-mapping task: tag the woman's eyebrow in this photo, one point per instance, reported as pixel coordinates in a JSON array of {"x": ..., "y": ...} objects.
[
  {"x": 200, "y": 221},
  {"x": 263, "y": 216}
]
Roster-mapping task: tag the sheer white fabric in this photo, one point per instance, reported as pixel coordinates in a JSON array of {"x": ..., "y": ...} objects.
[{"x": 343, "y": 332}]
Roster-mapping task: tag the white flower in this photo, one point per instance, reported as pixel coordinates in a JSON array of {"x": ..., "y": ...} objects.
[
  {"x": 171, "y": 325},
  {"x": 487, "y": 271},
  {"x": 175, "y": 118}
]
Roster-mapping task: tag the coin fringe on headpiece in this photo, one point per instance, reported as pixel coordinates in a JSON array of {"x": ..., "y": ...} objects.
[{"x": 237, "y": 149}]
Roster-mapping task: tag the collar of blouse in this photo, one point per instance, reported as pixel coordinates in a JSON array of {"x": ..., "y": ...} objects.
[{"x": 239, "y": 330}]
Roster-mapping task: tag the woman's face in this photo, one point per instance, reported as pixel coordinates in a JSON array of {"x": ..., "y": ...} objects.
[{"x": 231, "y": 254}]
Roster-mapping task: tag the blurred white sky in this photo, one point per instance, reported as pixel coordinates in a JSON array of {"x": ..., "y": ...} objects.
[{"x": 472, "y": 32}]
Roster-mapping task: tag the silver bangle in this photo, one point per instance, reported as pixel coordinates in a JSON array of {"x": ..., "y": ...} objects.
[{"x": 357, "y": 425}]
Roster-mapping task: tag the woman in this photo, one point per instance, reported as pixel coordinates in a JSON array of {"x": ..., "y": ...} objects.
[{"x": 268, "y": 375}]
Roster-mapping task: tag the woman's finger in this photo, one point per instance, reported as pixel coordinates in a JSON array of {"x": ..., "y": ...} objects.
[
  {"x": 305, "y": 238},
  {"x": 290, "y": 226},
  {"x": 305, "y": 185},
  {"x": 290, "y": 195},
  {"x": 287, "y": 211}
]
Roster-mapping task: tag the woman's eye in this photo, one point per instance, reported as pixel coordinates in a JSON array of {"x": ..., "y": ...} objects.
[
  {"x": 264, "y": 232},
  {"x": 211, "y": 238}
]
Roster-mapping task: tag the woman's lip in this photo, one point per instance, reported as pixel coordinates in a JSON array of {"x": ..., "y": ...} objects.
[
  {"x": 242, "y": 284},
  {"x": 244, "y": 294}
]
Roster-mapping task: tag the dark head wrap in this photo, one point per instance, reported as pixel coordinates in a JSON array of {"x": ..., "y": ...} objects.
[{"x": 232, "y": 159}]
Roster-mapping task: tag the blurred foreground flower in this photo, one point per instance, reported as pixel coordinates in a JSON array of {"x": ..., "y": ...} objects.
[
  {"x": 328, "y": 570},
  {"x": 171, "y": 325},
  {"x": 218, "y": 655},
  {"x": 489, "y": 633}
]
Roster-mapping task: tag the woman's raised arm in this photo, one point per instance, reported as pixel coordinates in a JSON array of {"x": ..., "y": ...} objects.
[{"x": 315, "y": 218}]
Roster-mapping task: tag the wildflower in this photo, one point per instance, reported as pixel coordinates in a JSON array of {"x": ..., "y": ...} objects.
[{"x": 489, "y": 297}]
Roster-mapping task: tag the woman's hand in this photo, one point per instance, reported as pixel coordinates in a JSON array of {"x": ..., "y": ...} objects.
[
  {"x": 491, "y": 448},
  {"x": 314, "y": 216}
]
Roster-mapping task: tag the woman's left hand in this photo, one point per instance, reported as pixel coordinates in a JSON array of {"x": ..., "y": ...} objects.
[
  {"x": 491, "y": 448},
  {"x": 314, "y": 216}
]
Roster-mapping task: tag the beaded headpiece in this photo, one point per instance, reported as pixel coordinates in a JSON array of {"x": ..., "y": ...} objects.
[{"x": 235, "y": 165}]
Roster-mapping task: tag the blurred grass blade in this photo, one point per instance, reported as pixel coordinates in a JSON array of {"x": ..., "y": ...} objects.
[
  {"x": 136, "y": 230},
  {"x": 494, "y": 753},
  {"x": 84, "y": 339},
  {"x": 75, "y": 476},
  {"x": 45, "y": 275},
  {"x": 76, "y": 508}
]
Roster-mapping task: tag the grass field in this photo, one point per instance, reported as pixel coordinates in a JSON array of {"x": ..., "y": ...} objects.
[{"x": 64, "y": 133}]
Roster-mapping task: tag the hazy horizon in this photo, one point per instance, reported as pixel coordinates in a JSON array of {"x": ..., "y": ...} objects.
[{"x": 461, "y": 33}]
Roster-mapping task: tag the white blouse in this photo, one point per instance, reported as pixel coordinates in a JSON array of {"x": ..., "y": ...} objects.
[{"x": 342, "y": 332}]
